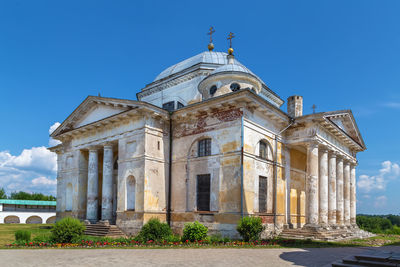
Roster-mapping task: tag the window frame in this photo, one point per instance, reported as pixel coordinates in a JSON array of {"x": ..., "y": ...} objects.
[
  {"x": 164, "y": 105},
  {"x": 204, "y": 194},
  {"x": 264, "y": 148},
  {"x": 204, "y": 147},
  {"x": 262, "y": 181}
]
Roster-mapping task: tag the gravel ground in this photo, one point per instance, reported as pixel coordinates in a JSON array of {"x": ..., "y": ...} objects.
[{"x": 185, "y": 257}]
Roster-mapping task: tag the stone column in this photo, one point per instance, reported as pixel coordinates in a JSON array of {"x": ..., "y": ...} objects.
[
  {"x": 323, "y": 187},
  {"x": 346, "y": 193},
  {"x": 312, "y": 185},
  {"x": 332, "y": 189},
  {"x": 353, "y": 198},
  {"x": 339, "y": 191},
  {"x": 107, "y": 188},
  {"x": 93, "y": 186},
  {"x": 287, "y": 178}
]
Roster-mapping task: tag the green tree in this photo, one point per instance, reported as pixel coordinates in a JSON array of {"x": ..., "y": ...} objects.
[
  {"x": 2, "y": 193},
  {"x": 31, "y": 196}
]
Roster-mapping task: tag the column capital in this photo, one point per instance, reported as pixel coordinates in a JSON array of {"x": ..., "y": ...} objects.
[
  {"x": 312, "y": 144},
  {"x": 94, "y": 148},
  {"x": 324, "y": 149},
  {"x": 333, "y": 153},
  {"x": 108, "y": 145}
]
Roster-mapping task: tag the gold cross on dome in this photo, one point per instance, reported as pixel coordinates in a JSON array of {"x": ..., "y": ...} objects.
[
  {"x": 211, "y": 31},
  {"x": 230, "y": 36}
]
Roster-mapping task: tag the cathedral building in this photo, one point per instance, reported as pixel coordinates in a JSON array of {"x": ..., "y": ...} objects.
[{"x": 207, "y": 140}]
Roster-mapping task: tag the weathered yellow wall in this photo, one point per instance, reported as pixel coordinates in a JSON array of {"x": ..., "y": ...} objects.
[{"x": 298, "y": 163}]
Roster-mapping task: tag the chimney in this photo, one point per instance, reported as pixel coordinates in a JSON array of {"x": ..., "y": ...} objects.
[{"x": 295, "y": 106}]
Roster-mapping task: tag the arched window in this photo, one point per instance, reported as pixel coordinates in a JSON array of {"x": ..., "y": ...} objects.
[
  {"x": 265, "y": 151},
  {"x": 130, "y": 193},
  {"x": 204, "y": 148},
  {"x": 68, "y": 198},
  {"x": 11, "y": 219},
  {"x": 34, "y": 220}
]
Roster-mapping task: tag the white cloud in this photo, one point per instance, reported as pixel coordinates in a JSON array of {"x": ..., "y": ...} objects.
[
  {"x": 44, "y": 181},
  {"x": 389, "y": 171},
  {"x": 54, "y": 142},
  {"x": 380, "y": 202},
  {"x": 34, "y": 170}
]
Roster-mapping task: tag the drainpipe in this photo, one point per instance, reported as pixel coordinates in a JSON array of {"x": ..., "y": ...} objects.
[
  {"x": 276, "y": 169},
  {"x": 169, "y": 172},
  {"x": 241, "y": 168}
]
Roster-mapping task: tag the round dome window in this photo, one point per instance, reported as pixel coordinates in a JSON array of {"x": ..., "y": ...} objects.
[
  {"x": 213, "y": 89},
  {"x": 235, "y": 87}
]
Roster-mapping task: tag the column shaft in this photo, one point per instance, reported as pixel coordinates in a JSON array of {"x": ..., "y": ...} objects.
[
  {"x": 107, "y": 188},
  {"x": 93, "y": 187},
  {"x": 323, "y": 187},
  {"x": 346, "y": 193},
  {"x": 332, "y": 189},
  {"x": 312, "y": 185},
  {"x": 339, "y": 191},
  {"x": 353, "y": 198}
]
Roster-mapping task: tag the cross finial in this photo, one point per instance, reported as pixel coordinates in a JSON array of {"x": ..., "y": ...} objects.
[
  {"x": 314, "y": 107},
  {"x": 211, "y": 45},
  {"x": 211, "y": 31},
  {"x": 230, "y": 36}
]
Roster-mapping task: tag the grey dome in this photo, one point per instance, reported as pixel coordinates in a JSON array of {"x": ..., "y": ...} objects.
[
  {"x": 208, "y": 57},
  {"x": 235, "y": 68}
]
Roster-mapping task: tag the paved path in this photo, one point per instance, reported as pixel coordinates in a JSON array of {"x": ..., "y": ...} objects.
[{"x": 183, "y": 257}]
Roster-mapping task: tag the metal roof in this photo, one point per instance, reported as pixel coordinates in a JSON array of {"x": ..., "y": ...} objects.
[
  {"x": 218, "y": 58},
  {"x": 28, "y": 202}
]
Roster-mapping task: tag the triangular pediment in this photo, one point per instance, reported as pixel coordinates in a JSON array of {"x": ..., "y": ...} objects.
[
  {"x": 344, "y": 121},
  {"x": 94, "y": 109}
]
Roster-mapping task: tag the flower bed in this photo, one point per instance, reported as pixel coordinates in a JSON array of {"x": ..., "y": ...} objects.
[{"x": 131, "y": 243}]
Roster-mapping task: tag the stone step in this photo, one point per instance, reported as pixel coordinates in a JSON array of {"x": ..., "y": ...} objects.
[
  {"x": 385, "y": 259},
  {"x": 103, "y": 230}
]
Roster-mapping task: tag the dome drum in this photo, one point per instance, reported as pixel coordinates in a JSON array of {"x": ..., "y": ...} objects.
[{"x": 227, "y": 82}]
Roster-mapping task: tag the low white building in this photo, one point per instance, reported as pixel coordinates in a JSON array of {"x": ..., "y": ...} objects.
[{"x": 27, "y": 211}]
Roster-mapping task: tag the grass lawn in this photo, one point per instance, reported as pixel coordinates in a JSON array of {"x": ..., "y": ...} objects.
[
  {"x": 7, "y": 237},
  {"x": 7, "y": 231}
]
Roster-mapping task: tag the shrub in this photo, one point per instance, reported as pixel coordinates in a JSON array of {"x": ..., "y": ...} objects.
[
  {"x": 67, "y": 230},
  {"x": 22, "y": 235},
  {"x": 216, "y": 238},
  {"x": 154, "y": 230},
  {"x": 194, "y": 231},
  {"x": 173, "y": 238},
  {"x": 250, "y": 228},
  {"x": 42, "y": 239}
]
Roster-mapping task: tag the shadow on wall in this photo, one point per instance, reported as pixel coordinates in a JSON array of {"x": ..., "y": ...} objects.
[{"x": 326, "y": 256}]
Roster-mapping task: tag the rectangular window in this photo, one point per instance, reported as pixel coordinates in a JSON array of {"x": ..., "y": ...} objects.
[
  {"x": 262, "y": 194},
  {"x": 170, "y": 106},
  {"x": 204, "y": 147},
  {"x": 203, "y": 192}
]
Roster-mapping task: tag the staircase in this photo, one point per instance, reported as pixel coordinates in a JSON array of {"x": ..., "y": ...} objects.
[
  {"x": 388, "y": 259},
  {"x": 322, "y": 235},
  {"x": 105, "y": 230}
]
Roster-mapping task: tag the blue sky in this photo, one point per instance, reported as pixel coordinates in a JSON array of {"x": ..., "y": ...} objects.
[{"x": 336, "y": 54}]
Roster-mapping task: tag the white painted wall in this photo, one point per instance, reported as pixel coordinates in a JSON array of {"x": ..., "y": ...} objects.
[{"x": 23, "y": 216}]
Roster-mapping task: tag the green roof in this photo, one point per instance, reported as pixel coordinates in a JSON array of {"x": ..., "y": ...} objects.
[{"x": 28, "y": 202}]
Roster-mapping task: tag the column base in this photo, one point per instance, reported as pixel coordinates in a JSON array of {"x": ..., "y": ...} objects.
[
  {"x": 288, "y": 226},
  {"x": 104, "y": 222}
]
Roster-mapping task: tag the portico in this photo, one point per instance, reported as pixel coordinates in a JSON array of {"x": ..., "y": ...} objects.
[
  {"x": 327, "y": 207},
  {"x": 101, "y": 201}
]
